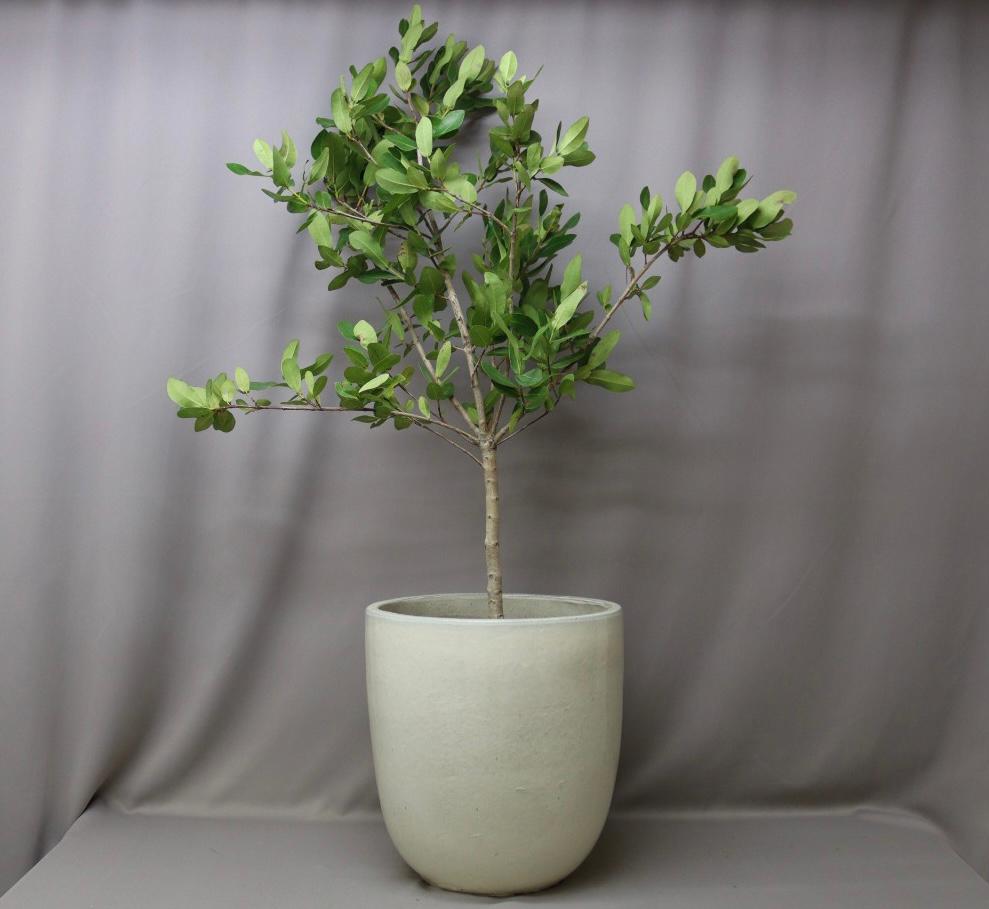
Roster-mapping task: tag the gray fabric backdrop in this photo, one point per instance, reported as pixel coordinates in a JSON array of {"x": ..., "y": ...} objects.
[{"x": 793, "y": 507}]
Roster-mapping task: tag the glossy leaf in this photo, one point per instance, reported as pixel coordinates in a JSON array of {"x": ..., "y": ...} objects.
[
  {"x": 612, "y": 381},
  {"x": 341, "y": 113},
  {"x": 686, "y": 189},
  {"x": 470, "y": 66},
  {"x": 262, "y": 151},
  {"x": 568, "y": 306},
  {"x": 424, "y": 137}
]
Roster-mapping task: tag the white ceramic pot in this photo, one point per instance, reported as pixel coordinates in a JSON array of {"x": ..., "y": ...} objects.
[{"x": 495, "y": 740}]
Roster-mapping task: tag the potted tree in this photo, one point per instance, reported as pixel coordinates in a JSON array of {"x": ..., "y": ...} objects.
[{"x": 495, "y": 718}]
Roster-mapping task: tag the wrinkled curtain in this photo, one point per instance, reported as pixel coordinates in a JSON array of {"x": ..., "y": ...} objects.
[{"x": 793, "y": 507}]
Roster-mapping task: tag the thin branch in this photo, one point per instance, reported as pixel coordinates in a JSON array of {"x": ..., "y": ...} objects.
[
  {"x": 308, "y": 406},
  {"x": 430, "y": 368},
  {"x": 496, "y": 419},
  {"x": 361, "y": 146},
  {"x": 514, "y": 238},
  {"x": 440, "y": 435},
  {"x": 458, "y": 315},
  {"x": 425, "y": 422},
  {"x": 480, "y": 210},
  {"x": 354, "y": 215},
  {"x": 502, "y": 438},
  {"x": 634, "y": 281}
]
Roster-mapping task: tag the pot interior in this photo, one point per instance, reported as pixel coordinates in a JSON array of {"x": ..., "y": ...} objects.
[{"x": 475, "y": 606}]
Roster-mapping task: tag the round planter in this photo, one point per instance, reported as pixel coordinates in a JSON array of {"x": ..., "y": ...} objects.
[{"x": 495, "y": 740}]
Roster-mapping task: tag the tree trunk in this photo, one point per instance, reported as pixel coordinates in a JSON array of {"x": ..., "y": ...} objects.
[{"x": 492, "y": 536}]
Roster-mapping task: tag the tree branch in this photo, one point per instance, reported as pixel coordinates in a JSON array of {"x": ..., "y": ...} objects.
[
  {"x": 440, "y": 435},
  {"x": 514, "y": 238},
  {"x": 458, "y": 315},
  {"x": 430, "y": 368},
  {"x": 475, "y": 385},
  {"x": 634, "y": 280},
  {"x": 427, "y": 423},
  {"x": 504, "y": 438}
]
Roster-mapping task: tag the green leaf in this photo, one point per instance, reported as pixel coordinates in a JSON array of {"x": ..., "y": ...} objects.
[
  {"x": 319, "y": 230},
  {"x": 319, "y": 166},
  {"x": 424, "y": 137},
  {"x": 224, "y": 421},
  {"x": 439, "y": 391},
  {"x": 726, "y": 174},
  {"x": 568, "y": 306},
  {"x": 602, "y": 350},
  {"x": 280, "y": 173},
  {"x": 781, "y": 197},
  {"x": 341, "y": 113},
  {"x": 402, "y": 141},
  {"x": 376, "y": 382},
  {"x": 288, "y": 149},
  {"x": 443, "y": 358},
  {"x": 626, "y": 218},
  {"x": 463, "y": 189},
  {"x": 766, "y": 213},
  {"x": 291, "y": 350},
  {"x": 262, "y": 151},
  {"x": 410, "y": 39},
  {"x": 453, "y": 93},
  {"x": 686, "y": 188},
  {"x": 184, "y": 394},
  {"x": 292, "y": 375},
  {"x": 364, "y": 83},
  {"x": 531, "y": 378},
  {"x": 424, "y": 407},
  {"x": 571, "y": 277},
  {"x": 508, "y": 66},
  {"x": 394, "y": 182},
  {"x": 449, "y": 123},
  {"x": 242, "y": 171},
  {"x": 204, "y": 421},
  {"x": 778, "y": 230},
  {"x": 553, "y": 185},
  {"x": 364, "y": 332},
  {"x": 719, "y": 212},
  {"x": 745, "y": 209},
  {"x": 612, "y": 381},
  {"x": 573, "y": 137},
  {"x": 242, "y": 379},
  {"x": 439, "y": 202},
  {"x": 403, "y": 75},
  {"x": 364, "y": 243},
  {"x": 552, "y": 164},
  {"x": 470, "y": 66},
  {"x": 499, "y": 379}
]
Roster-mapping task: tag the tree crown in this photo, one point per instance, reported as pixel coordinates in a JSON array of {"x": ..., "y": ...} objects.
[{"x": 380, "y": 195}]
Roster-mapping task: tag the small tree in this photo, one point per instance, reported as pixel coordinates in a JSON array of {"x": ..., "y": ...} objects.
[{"x": 381, "y": 196}]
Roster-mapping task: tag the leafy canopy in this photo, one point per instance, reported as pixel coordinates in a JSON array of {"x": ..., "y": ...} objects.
[{"x": 380, "y": 194}]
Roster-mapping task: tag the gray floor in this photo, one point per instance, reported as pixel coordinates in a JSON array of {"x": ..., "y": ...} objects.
[{"x": 110, "y": 860}]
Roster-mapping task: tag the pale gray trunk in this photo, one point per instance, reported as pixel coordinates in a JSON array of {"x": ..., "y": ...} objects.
[{"x": 492, "y": 541}]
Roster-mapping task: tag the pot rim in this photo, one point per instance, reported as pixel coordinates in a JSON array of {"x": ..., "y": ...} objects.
[{"x": 602, "y": 609}]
